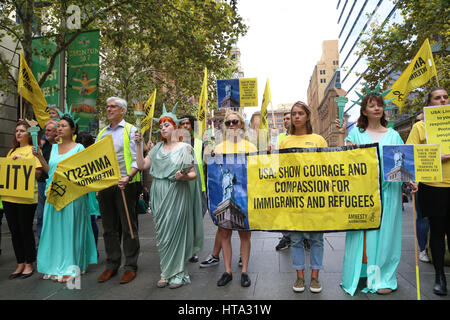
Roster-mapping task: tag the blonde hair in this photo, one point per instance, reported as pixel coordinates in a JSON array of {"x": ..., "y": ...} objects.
[{"x": 241, "y": 119}]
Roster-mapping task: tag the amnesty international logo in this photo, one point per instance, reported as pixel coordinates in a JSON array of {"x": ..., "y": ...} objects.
[{"x": 58, "y": 189}]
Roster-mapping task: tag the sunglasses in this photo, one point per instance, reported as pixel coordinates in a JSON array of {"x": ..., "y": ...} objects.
[{"x": 228, "y": 122}]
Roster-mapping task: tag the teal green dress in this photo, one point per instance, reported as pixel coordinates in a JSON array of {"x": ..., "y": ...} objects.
[
  {"x": 384, "y": 245},
  {"x": 67, "y": 239},
  {"x": 176, "y": 210}
]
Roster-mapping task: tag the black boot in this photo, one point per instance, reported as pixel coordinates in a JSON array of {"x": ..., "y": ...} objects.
[{"x": 440, "y": 285}]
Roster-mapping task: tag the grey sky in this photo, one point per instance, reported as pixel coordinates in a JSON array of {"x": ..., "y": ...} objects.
[{"x": 283, "y": 44}]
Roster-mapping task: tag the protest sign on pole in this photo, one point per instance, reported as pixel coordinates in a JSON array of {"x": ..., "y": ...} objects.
[
  {"x": 17, "y": 177},
  {"x": 405, "y": 163},
  {"x": 237, "y": 93},
  {"x": 437, "y": 126},
  {"x": 307, "y": 189}
]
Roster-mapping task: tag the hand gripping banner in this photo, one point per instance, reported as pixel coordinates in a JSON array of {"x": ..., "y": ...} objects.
[{"x": 300, "y": 189}]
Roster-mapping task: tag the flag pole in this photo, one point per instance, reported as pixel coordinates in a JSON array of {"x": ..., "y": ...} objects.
[
  {"x": 415, "y": 248},
  {"x": 21, "y": 104},
  {"x": 126, "y": 211},
  {"x": 437, "y": 80}
]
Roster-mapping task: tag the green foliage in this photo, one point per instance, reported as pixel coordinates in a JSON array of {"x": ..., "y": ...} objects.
[
  {"x": 389, "y": 49},
  {"x": 145, "y": 44}
]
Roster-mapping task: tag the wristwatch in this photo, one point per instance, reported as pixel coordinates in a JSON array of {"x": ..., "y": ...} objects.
[{"x": 129, "y": 177}]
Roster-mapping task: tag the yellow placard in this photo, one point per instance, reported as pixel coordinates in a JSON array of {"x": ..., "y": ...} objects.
[
  {"x": 427, "y": 163},
  {"x": 315, "y": 191},
  {"x": 437, "y": 126},
  {"x": 248, "y": 92},
  {"x": 93, "y": 169},
  {"x": 17, "y": 177}
]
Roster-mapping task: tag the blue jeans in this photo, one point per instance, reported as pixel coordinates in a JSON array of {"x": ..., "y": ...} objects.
[
  {"x": 298, "y": 250},
  {"x": 422, "y": 225},
  {"x": 40, "y": 208}
]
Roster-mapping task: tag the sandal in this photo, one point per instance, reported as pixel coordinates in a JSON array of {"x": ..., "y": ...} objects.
[
  {"x": 162, "y": 283},
  {"x": 384, "y": 291},
  {"x": 65, "y": 279}
]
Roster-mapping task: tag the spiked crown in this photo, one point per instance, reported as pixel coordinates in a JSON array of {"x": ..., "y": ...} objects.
[
  {"x": 68, "y": 113},
  {"x": 376, "y": 91},
  {"x": 171, "y": 115}
]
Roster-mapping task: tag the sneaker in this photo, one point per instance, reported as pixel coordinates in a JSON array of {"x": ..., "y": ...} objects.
[
  {"x": 240, "y": 262},
  {"x": 209, "y": 262},
  {"x": 299, "y": 285},
  {"x": 284, "y": 243},
  {"x": 315, "y": 285},
  {"x": 194, "y": 259},
  {"x": 423, "y": 256}
]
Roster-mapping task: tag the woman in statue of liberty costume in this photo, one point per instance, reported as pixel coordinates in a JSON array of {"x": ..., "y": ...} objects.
[
  {"x": 374, "y": 254},
  {"x": 175, "y": 200}
]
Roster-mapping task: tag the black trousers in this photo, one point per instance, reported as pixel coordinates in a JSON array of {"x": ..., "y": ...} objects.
[
  {"x": 435, "y": 205},
  {"x": 439, "y": 227},
  {"x": 20, "y": 222},
  {"x": 116, "y": 229}
]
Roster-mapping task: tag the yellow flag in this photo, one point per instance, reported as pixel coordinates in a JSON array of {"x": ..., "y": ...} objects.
[
  {"x": 149, "y": 112},
  {"x": 203, "y": 100},
  {"x": 419, "y": 71},
  {"x": 93, "y": 169},
  {"x": 267, "y": 98},
  {"x": 28, "y": 87}
]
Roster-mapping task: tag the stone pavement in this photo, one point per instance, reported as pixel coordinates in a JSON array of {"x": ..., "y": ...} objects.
[{"x": 270, "y": 271}]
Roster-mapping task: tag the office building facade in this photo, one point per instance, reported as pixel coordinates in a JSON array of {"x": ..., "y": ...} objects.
[{"x": 354, "y": 18}]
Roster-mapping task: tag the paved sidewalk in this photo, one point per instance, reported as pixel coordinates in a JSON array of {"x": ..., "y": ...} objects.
[{"x": 270, "y": 271}]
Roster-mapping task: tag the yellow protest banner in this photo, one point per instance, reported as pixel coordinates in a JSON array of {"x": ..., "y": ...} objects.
[
  {"x": 248, "y": 92},
  {"x": 28, "y": 88},
  {"x": 93, "y": 169},
  {"x": 17, "y": 177},
  {"x": 317, "y": 189},
  {"x": 437, "y": 126},
  {"x": 149, "y": 112},
  {"x": 419, "y": 71}
]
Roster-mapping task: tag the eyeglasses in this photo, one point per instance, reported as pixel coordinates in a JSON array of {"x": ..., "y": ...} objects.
[
  {"x": 112, "y": 106},
  {"x": 228, "y": 122}
]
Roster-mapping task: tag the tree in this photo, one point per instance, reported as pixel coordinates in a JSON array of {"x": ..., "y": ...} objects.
[
  {"x": 167, "y": 46},
  {"x": 52, "y": 15},
  {"x": 389, "y": 48},
  {"x": 145, "y": 44}
]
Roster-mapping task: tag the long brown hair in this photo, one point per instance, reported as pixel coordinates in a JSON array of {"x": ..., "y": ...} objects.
[
  {"x": 304, "y": 106},
  {"x": 16, "y": 144},
  {"x": 363, "y": 121}
]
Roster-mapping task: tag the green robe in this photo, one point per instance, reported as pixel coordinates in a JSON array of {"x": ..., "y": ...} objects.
[
  {"x": 67, "y": 239},
  {"x": 384, "y": 245},
  {"x": 176, "y": 210}
]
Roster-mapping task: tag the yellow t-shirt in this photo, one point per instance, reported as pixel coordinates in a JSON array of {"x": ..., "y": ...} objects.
[
  {"x": 304, "y": 141},
  {"x": 243, "y": 146},
  {"x": 418, "y": 136},
  {"x": 25, "y": 153}
]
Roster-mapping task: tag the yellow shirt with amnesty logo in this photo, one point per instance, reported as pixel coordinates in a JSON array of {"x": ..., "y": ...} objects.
[
  {"x": 304, "y": 141},
  {"x": 25, "y": 153},
  {"x": 418, "y": 136},
  {"x": 243, "y": 146}
]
